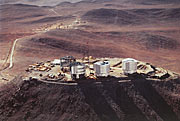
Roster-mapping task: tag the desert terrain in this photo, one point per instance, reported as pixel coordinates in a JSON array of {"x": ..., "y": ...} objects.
[{"x": 147, "y": 30}]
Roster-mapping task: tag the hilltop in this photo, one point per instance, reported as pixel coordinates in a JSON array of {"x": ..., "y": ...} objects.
[
  {"x": 33, "y": 32},
  {"x": 105, "y": 99}
]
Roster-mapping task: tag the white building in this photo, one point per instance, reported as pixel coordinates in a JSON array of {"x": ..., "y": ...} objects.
[
  {"x": 102, "y": 68},
  {"x": 56, "y": 62},
  {"x": 78, "y": 70},
  {"x": 129, "y": 66}
]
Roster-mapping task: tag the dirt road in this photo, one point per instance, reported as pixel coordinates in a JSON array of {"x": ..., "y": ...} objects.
[
  {"x": 58, "y": 83},
  {"x": 54, "y": 12},
  {"x": 12, "y": 53}
]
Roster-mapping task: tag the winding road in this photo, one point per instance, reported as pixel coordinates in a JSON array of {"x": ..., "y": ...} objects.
[
  {"x": 12, "y": 53},
  {"x": 10, "y": 57},
  {"x": 54, "y": 12}
]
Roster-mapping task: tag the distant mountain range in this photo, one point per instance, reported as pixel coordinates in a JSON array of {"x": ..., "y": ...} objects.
[
  {"x": 37, "y": 2},
  {"x": 57, "y": 2}
]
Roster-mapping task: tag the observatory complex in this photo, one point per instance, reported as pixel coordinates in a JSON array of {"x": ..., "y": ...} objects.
[{"x": 69, "y": 69}]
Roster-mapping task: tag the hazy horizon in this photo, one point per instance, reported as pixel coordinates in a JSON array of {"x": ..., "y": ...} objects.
[{"x": 38, "y": 2}]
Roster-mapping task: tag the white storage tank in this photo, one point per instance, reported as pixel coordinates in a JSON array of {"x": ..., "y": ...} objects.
[
  {"x": 102, "y": 68},
  {"x": 129, "y": 66},
  {"x": 78, "y": 70}
]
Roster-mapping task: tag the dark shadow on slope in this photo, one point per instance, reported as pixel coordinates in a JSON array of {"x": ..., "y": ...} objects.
[
  {"x": 155, "y": 100},
  {"x": 126, "y": 104},
  {"x": 94, "y": 98},
  {"x": 72, "y": 46}
]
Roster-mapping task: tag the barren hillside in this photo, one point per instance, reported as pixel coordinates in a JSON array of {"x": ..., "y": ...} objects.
[
  {"x": 139, "y": 99},
  {"x": 36, "y": 31}
]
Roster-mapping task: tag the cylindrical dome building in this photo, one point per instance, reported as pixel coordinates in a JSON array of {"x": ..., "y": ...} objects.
[
  {"x": 102, "y": 68},
  {"x": 129, "y": 66},
  {"x": 78, "y": 70}
]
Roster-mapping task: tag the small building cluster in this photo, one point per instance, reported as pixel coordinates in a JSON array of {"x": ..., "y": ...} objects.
[{"x": 40, "y": 67}]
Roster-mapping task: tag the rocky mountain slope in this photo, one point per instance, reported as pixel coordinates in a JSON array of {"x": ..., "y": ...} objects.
[
  {"x": 138, "y": 99},
  {"x": 147, "y": 30}
]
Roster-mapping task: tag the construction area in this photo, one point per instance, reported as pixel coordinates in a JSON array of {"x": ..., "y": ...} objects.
[
  {"x": 77, "y": 23},
  {"x": 68, "y": 69}
]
